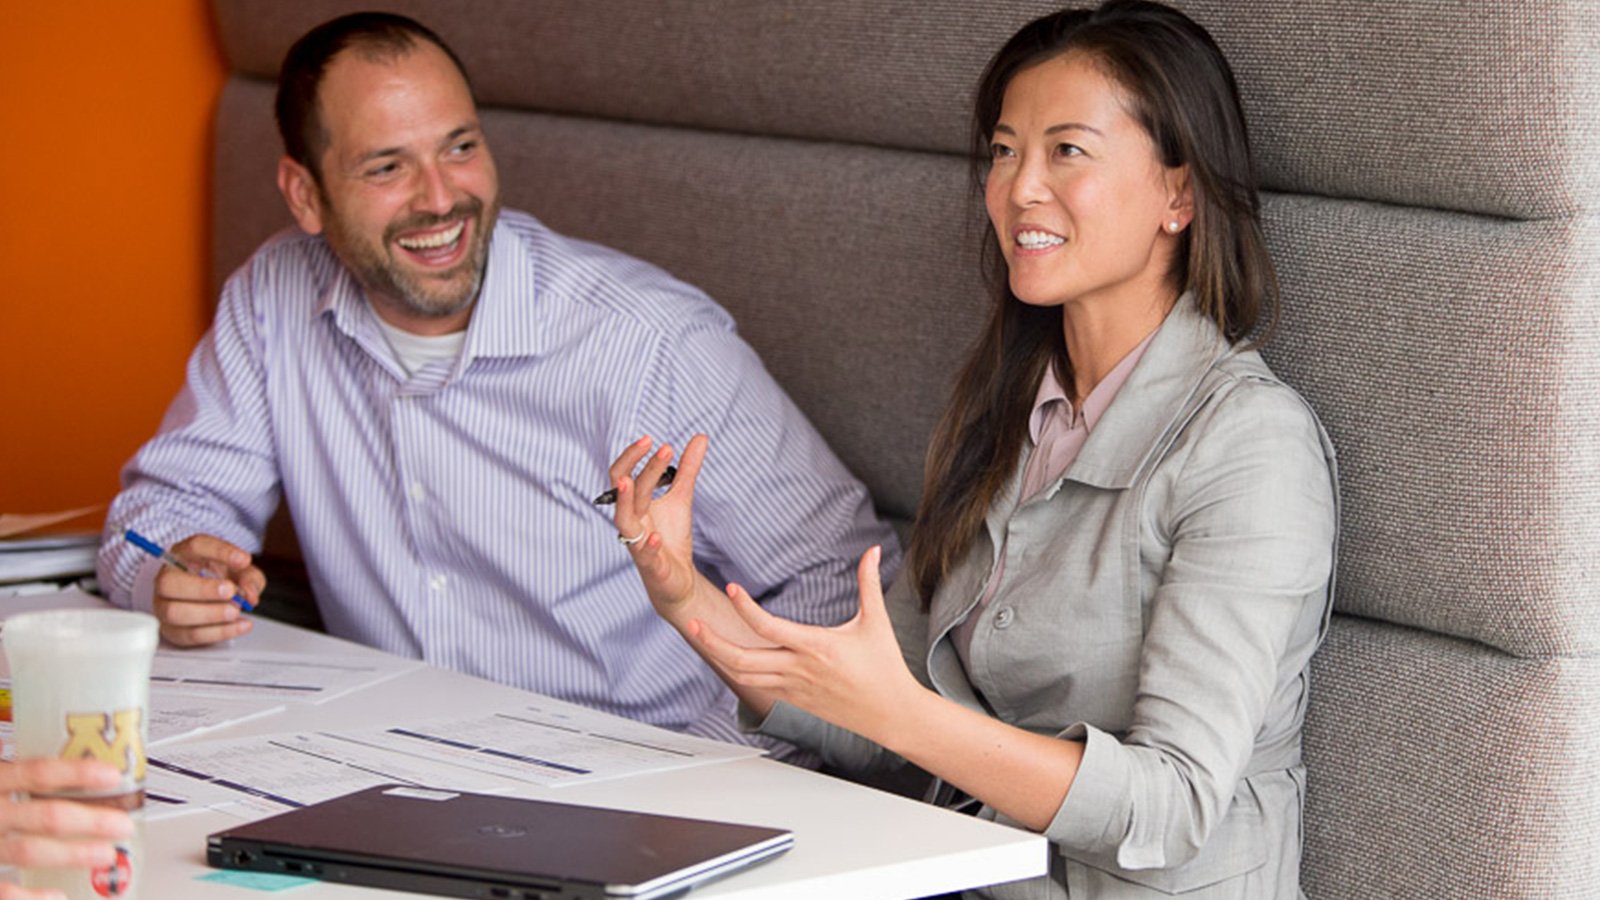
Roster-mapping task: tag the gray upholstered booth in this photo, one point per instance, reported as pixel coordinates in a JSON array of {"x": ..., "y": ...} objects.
[{"x": 1434, "y": 205}]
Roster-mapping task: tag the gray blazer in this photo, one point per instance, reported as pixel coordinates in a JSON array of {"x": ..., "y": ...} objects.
[{"x": 1160, "y": 603}]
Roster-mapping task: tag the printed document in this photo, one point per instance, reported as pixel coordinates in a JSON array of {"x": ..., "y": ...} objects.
[
  {"x": 293, "y": 677},
  {"x": 547, "y": 743}
]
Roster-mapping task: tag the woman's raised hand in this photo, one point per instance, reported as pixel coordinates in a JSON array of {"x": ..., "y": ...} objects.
[{"x": 659, "y": 531}]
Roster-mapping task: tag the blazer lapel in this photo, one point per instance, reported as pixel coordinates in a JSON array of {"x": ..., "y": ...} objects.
[{"x": 1154, "y": 396}]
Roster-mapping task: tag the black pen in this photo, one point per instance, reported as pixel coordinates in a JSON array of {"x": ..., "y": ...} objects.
[{"x": 610, "y": 496}]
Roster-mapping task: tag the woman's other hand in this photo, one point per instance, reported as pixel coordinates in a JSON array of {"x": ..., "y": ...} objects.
[{"x": 852, "y": 674}]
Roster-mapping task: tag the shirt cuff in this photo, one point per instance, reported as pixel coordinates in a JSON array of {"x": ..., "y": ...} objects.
[
  {"x": 143, "y": 597},
  {"x": 1092, "y": 820},
  {"x": 742, "y": 729},
  {"x": 782, "y": 721}
]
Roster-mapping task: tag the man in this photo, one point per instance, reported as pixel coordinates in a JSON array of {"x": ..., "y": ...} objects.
[{"x": 438, "y": 389}]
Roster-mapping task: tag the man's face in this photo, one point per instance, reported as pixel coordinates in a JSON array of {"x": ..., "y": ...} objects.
[{"x": 408, "y": 194}]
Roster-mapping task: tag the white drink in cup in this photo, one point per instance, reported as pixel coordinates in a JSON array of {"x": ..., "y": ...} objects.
[{"x": 80, "y": 689}]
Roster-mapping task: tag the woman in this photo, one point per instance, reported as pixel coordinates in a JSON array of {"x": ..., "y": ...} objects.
[{"x": 1123, "y": 558}]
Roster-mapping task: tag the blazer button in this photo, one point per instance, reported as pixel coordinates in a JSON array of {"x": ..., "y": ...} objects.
[{"x": 1002, "y": 619}]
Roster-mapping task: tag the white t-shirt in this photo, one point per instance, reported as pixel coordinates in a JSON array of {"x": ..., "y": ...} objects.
[{"x": 414, "y": 351}]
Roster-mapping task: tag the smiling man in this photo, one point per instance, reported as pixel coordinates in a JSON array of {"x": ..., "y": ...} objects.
[
  {"x": 387, "y": 162},
  {"x": 437, "y": 388}
]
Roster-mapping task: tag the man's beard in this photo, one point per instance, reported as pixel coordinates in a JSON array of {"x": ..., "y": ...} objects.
[{"x": 432, "y": 295}]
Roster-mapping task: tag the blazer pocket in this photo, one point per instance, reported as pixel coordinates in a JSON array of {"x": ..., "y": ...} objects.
[
  {"x": 1237, "y": 848},
  {"x": 1188, "y": 880}
]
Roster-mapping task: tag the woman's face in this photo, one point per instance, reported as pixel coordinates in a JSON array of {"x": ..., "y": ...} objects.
[{"x": 1077, "y": 193}]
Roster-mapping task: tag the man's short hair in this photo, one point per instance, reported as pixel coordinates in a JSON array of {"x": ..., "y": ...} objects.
[{"x": 376, "y": 35}]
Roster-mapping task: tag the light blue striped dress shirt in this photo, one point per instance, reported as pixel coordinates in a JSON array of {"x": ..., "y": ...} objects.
[{"x": 447, "y": 515}]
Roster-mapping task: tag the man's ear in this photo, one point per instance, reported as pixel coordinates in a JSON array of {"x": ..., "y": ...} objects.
[{"x": 300, "y": 191}]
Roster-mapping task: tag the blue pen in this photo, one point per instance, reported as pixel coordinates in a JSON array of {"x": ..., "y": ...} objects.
[{"x": 154, "y": 549}]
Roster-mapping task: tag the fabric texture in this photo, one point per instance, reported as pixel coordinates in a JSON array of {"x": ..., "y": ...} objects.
[
  {"x": 1160, "y": 602},
  {"x": 1456, "y": 361},
  {"x": 447, "y": 516},
  {"x": 1461, "y": 771},
  {"x": 1483, "y": 106}
]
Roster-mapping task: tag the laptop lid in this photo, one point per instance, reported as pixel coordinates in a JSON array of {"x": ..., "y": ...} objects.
[{"x": 458, "y": 844}]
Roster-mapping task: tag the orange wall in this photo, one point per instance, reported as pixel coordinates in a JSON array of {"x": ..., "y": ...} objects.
[{"x": 105, "y": 111}]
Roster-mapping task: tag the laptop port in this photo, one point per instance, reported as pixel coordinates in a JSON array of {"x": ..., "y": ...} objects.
[{"x": 243, "y": 857}]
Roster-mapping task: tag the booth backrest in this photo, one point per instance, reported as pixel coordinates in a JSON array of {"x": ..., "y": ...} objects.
[{"x": 1433, "y": 203}]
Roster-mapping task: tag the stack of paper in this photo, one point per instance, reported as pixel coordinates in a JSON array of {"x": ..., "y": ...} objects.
[
  {"x": 58, "y": 556},
  {"x": 45, "y": 556}
]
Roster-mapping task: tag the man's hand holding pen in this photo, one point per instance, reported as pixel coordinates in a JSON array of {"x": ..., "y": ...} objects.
[{"x": 195, "y": 606}]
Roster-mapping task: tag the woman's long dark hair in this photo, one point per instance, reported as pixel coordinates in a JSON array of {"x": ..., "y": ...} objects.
[{"x": 1182, "y": 92}]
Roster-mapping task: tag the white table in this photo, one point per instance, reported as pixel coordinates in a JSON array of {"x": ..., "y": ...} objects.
[{"x": 850, "y": 841}]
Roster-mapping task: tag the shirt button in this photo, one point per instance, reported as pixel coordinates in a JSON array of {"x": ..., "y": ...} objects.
[
  {"x": 436, "y": 582},
  {"x": 417, "y": 491},
  {"x": 1002, "y": 619}
]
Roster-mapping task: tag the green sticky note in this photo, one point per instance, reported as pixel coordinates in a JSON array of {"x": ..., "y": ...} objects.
[{"x": 255, "y": 881}]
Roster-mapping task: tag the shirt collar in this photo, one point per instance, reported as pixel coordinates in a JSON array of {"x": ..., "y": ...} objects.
[
  {"x": 344, "y": 301},
  {"x": 342, "y": 297},
  {"x": 504, "y": 318},
  {"x": 1094, "y": 406},
  {"x": 509, "y": 314},
  {"x": 1050, "y": 393}
]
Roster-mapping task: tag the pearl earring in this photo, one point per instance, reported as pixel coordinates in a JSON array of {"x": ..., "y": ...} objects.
[{"x": 1174, "y": 226}]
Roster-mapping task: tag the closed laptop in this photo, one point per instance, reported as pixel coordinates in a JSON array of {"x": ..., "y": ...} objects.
[{"x": 457, "y": 844}]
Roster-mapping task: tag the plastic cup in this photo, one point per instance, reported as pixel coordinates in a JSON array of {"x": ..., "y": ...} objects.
[{"x": 80, "y": 689}]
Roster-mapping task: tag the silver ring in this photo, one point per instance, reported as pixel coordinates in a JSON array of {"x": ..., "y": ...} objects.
[{"x": 630, "y": 541}]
